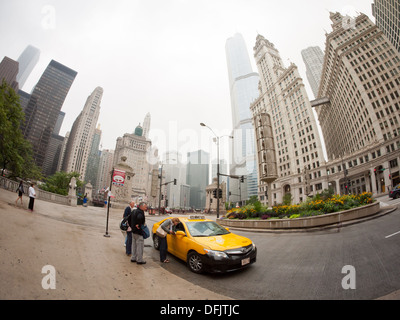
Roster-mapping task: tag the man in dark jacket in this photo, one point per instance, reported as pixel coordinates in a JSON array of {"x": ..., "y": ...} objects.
[
  {"x": 137, "y": 220},
  {"x": 128, "y": 240}
]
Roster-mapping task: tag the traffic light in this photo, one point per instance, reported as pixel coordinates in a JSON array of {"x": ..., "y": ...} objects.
[
  {"x": 215, "y": 193},
  {"x": 175, "y": 182},
  {"x": 220, "y": 193},
  {"x": 242, "y": 179}
]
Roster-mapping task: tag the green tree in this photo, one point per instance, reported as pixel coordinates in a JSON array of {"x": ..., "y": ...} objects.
[
  {"x": 15, "y": 151},
  {"x": 287, "y": 199},
  {"x": 59, "y": 182}
]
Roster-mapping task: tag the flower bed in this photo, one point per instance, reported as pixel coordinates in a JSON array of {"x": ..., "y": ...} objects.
[
  {"x": 318, "y": 205},
  {"x": 308, "y": 222}
]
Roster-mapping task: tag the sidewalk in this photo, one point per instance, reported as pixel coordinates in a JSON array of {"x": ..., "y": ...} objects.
[{"x": 88, "y": 265}]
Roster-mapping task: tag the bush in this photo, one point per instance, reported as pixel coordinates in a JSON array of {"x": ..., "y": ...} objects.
[
  {"x": 232, "y": 215},
  {"x": 242, "y": 215}
]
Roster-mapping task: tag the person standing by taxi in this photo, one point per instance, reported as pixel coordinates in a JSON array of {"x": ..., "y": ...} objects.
[
  {"x": 128, "y": 239},
  {"x": 167, "y": 226},
  {"x": 137, "y": 220}
]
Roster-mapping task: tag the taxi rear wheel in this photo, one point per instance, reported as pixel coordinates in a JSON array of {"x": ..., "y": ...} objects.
[
  {"x": 195, "y": 262},
  {"x": 156, "y": 242}
]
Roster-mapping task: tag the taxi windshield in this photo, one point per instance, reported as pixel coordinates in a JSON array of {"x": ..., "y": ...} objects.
[{"x": 205, "y": 229}]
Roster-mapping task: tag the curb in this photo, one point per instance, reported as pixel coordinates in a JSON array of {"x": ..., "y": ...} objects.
[{"x": 382, "y": 212}]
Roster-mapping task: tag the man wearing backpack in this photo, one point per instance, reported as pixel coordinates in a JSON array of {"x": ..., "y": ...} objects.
[
  {"x": 128, "y": 240},
  {"x": 136, "y": 222}
]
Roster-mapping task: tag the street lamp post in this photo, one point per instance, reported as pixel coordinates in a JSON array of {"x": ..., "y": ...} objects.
[{"x": 218, "y": 173}]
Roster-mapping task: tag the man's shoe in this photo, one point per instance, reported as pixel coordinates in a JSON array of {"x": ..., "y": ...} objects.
[
  {"x": 142, "y": 262},
  {"x": 133, "y": 260}
]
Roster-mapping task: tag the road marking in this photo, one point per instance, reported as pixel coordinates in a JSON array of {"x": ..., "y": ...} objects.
[{"x": 391, "y": 235}]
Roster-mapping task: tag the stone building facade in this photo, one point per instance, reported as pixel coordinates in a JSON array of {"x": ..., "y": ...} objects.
[
  {"x": 358, "y": 106},
  {"x": 297, "y": 146}
]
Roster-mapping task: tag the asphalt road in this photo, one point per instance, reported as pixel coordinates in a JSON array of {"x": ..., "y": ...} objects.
[
  {"x": 89, "y": 266},
  {"x": 309, "y": 265}
]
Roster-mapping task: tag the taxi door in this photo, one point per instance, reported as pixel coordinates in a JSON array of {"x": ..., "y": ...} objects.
[{"x": 179, "y": 245}]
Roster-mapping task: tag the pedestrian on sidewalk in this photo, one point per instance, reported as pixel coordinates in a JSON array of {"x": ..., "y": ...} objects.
[
  {"x": 128, "y": 239},
  {"x": 32, "y": 196},
  {"x": 167, "y": 226},
  {"x": 20, "y": 191},
  {"x": 137, "y": 220},
  {"x": 85, "y": 199}
]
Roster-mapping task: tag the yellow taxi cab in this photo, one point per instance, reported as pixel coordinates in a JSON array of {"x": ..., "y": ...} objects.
[{"x": 206, "y": 246}]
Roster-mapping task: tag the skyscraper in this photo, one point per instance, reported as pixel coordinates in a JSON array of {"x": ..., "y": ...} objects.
[
  {"x": 298, "y": 146},
  {"x": 94, "y": 158},
  {"x": 105, "y": 169},
  {"x": 359, "y": 104},
  {"x": 54, "y": 149},
  {"x": 313, "y": 58},
  {"x": 387, "y": 18},
  {"x": 197, "y": 177},
  {"x": 9, "y": 72},
  {"x": 27, "y": 61},
  {"x": 243, "y": 85},
  {"x": 44, "y": 107},
  {"x": 81, "y": 135},
  {"x": 146, "y": 125}
]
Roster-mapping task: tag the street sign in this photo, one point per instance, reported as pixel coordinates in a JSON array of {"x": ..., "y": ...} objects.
[{"x": 118, "y": 177}]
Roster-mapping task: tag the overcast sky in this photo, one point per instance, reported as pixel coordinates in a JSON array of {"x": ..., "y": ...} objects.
[{"x": 166, "y": 57}]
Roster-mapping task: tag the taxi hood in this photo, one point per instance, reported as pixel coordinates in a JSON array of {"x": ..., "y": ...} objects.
[{"x": 223, "y": 242}]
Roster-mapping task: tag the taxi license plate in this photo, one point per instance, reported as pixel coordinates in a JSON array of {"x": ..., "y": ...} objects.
[{"x": 245, "y": 261}]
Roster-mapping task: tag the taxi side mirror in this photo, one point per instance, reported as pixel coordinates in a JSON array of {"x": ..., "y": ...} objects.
[{"x": 180, "y": 233}]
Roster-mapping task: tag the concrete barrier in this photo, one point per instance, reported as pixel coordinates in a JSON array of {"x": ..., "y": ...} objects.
[
  {"x": 304, "y": 222},
  {"x": 12, "y": 186}
]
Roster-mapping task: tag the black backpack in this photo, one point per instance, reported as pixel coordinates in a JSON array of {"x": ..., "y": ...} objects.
[{"x": 126, "y": 221}]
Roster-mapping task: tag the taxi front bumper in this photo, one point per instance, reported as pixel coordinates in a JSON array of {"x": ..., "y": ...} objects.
[{"x": 231, "y": 261}]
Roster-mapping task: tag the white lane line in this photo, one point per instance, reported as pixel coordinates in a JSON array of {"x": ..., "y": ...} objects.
[{"x": 391, "y": 235}]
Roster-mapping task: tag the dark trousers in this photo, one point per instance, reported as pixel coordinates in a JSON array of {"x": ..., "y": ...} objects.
[
  {"x": 128, "y": 243},
  {"x": 31, "y": 201},
  {"x": 163, "y": 248}
]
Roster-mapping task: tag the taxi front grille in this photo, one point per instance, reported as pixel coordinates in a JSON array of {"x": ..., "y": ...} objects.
[{"x": 240, "y": 251}]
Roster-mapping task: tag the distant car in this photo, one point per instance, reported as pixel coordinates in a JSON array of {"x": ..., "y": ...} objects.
[
  {"x": 395, "y": 193},
  {"x": 206, "y": 246},
  {"x": 168, "y": 210}
]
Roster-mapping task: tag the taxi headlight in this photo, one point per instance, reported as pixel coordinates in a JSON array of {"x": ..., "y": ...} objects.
[{"x": 216, "y": 254}]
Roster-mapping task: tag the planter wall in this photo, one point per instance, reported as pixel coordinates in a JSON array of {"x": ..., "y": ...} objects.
[{"x": 306, "y": 222}]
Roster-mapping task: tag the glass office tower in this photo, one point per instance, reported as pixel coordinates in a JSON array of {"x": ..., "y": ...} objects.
[
  {"x": 313, "y": 58},
  {"x": 243, "y": 85},
  {"x": 44, "y": 107},
  {"x": 27, "y": 62}
]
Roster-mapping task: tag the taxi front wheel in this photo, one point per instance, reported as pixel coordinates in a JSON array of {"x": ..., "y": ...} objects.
[
  {"x": 156, "y": 242},
  {"x": 195, "y": 262}
]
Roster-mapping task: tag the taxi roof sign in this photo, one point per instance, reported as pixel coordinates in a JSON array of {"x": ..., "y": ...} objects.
[{"x": 197, "y": 217}]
